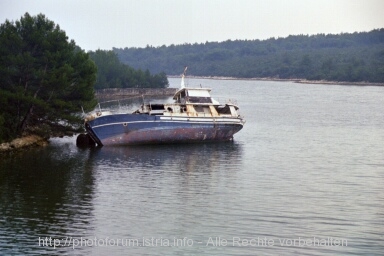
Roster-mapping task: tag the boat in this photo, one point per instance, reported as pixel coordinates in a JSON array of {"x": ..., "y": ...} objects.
[{"x": 194, "y": 116}]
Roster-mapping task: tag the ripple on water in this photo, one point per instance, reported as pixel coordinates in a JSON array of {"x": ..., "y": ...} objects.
[{"x": 308, "y": 164}]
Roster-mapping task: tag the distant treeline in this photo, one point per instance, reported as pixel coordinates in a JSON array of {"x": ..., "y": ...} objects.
[
  {"x": 343, "y": 57},
  {"x": 111, "y": 73}
]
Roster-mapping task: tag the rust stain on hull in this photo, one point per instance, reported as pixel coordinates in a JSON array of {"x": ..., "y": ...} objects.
[{"x": 174, "y": 135}]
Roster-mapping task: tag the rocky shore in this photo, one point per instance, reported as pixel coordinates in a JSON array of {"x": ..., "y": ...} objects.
[
  {"x": 22, "y": 143},
  {"x": 32, "y": 141},
  {"x": 338, "y": 83}
]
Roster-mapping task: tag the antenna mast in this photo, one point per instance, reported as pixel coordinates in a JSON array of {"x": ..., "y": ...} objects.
[{"x": 182, "y": 77}]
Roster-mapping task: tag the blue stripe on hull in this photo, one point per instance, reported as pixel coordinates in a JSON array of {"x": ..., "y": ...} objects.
[{"x": 145, "y": 129}]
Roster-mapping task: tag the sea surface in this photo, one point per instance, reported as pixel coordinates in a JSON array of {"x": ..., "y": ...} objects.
[{"x": 305, "y": 176}]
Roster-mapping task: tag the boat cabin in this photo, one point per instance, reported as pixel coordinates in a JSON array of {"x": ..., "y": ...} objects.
[
  {"x": 194, "y": 96},
  {"x": 192, "y": 102}
]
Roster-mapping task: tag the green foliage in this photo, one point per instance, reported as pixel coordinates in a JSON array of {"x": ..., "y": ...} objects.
[
  {"x": 114, "y": 74},
  {"x": 345, "y": 57},
  {"x": 44, "y": 78}
]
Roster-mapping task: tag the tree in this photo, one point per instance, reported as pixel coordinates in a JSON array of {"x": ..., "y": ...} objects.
[
  {"x": 112, "y": 73},
  {"x": 44, "y": 78}
]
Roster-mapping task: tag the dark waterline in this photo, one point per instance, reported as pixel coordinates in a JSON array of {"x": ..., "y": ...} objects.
[{"x": 304, "y": 176}]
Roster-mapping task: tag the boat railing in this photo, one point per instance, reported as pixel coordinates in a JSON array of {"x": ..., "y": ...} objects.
[
  {"x": 120, "y": 105},
  {"x": 223, "y": 100}
]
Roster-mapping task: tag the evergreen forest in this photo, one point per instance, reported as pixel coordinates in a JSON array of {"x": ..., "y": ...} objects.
[
  {"x": 111, "y": 73},
  {"x": 352, "y": 57}
]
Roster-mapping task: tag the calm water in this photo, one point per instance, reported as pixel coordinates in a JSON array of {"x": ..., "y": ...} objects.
[{"x": 304, "y": 177}]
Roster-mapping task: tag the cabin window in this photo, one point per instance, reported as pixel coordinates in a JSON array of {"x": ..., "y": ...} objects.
[
  {"x": 157, "y": 106},
  {"x": 200, "y": 99}
]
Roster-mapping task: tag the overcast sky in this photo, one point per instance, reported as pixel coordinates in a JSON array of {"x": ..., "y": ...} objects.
[{"x": 103, "y": 24}]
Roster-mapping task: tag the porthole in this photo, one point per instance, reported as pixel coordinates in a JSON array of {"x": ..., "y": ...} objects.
[{"x": 125, "y": 124}]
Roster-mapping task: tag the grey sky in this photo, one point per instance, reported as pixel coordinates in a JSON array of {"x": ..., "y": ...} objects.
[{"x": 100, "y": 24}]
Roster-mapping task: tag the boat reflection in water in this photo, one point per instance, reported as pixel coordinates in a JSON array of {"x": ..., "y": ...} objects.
[
  {"x": 76, "y": 192},
  {"x": 185, "y": 157}
]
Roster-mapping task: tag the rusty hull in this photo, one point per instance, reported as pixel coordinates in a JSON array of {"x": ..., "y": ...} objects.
[{"x": 132, "y": 129}]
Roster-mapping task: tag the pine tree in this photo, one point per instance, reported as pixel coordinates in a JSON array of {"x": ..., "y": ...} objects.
[{"x": 45, "y": 79}]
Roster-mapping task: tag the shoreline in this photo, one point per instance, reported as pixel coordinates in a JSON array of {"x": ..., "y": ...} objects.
[
  {"x": 295, "y": 80},
  {"x": 33, "y": 141},
  {"x": 23, "y": 143}
]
